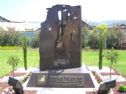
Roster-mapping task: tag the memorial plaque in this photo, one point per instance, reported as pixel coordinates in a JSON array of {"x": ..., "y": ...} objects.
[
  {"x": 61, "y": 80},
  {"x": 60, "y": 38}
]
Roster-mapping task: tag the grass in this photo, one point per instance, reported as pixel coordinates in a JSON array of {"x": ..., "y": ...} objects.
[
  {"x": 89, "y": 57},
  {"x": 33, "y": 59}
]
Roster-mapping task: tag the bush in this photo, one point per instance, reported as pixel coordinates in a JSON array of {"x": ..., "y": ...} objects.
[
  {"x": 112, "y": 56},
  {"x": 84, "y": 36},
  {"x": 89, "y": 38},
  {"x": 9, "y": 37},
  {"x": 93, "y": 41},
  {"x": 114, "y": 40},
  {"x": 122, "y": 88},
  {"x": 35, "y": 41},
  {"x": 13, "y": 61}
]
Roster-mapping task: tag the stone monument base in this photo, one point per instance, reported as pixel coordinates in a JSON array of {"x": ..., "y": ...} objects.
[
  {"x": 68, "y": 78},
  {"x": 62, "y": 80}
]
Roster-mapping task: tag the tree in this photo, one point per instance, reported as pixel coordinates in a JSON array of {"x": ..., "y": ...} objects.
[
  {"x": 93, "y": 41},
  {"x": 85, "y": 36},
  {"x": 35, "y": 40},
  {"x": 102, "y": 29},
  {"x": 1, "y": 35},
  {"x": 9, "y": 37},
  {"x": 24, "y": 46},
  {"x": 115, "y": 37},
  {"x": 112, "y": 56},
  {"x": 13, "y": 61}
]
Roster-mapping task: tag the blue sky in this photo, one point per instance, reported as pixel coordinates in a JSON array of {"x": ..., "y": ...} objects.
[{"x": 35, "y": 10}]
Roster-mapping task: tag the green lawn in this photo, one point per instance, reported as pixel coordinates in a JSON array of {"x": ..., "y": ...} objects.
[
  {"x": 33, "y": 59},
  {"x": 89, "y": 57}
]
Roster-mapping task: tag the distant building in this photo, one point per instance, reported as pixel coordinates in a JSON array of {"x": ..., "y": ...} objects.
[
  {"x": 19, "y": 26},
  {"x": 26, "y": 26},
  {"x": 4, "y": 20}
]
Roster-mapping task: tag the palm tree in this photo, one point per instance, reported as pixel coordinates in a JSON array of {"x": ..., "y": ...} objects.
[
  {"x": 102, "y": 29},
  {"x": 13, "y": 61}
]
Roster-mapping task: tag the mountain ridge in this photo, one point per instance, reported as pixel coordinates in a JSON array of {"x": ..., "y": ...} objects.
[{"x": 108, "y": 22}]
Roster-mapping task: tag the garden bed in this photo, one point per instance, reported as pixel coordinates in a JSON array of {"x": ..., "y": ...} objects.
[{"x": 102, "y": 75}]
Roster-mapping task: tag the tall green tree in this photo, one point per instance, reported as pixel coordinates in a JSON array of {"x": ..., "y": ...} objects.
[
  {"x": 102, "y": 29},
  {"x": 24, "y": 46}
]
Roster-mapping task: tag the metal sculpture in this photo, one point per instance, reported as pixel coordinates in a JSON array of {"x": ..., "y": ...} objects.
[{"x": 60, "y": 38}]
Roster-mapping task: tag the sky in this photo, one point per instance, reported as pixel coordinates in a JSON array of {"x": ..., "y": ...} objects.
[{"x": 35, "y": 10}]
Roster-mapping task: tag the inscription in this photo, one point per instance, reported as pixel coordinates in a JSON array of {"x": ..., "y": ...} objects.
[{"x": 60, "y": 80}]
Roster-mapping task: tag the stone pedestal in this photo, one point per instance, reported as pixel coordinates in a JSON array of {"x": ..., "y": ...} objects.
[
  {"x": 56, "y": 90},
  {"x": 68, "y": 78}
]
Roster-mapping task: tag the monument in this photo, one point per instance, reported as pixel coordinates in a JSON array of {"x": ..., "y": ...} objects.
[
  {"x": 60, "y": 38},
  {"x": 60, "y": 50}
]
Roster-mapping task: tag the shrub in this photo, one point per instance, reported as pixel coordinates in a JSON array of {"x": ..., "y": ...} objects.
[
  {"x": 9, "y": 37},
  {"x": 114, "y": 39},
  {"x": 85, "y": 36},
  {"x": 13, "y": 61},
  {"x": 93, "y": 41},
  {"x": 35, "y": 41},
  {"x": 112, "y": 56},
  {"x": 122, "y": 88}
]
